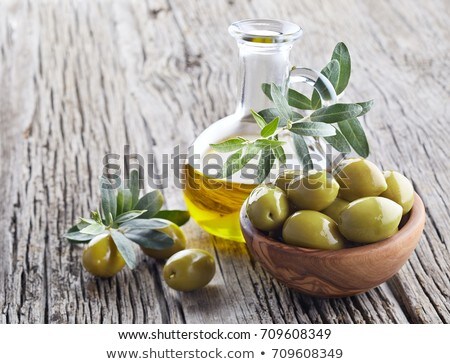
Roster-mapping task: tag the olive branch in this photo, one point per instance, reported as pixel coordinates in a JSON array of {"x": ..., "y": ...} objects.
[
  {"x": 128, "y": 219},
  {"x": 337, "y": 124}
]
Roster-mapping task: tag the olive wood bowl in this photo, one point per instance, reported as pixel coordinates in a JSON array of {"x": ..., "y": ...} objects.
[{"x": 336, "y": 273}]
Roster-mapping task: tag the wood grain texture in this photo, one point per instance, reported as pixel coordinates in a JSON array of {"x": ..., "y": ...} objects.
[
  {"x": 83, "y": 78},
  {"x": 336, "y": 273}
]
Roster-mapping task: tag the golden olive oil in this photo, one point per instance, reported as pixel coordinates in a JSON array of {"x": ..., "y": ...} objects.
[{"x": 215, "y": 203}]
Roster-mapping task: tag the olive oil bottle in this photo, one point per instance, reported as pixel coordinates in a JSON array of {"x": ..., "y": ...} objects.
[{"x": 264, "y": 48}]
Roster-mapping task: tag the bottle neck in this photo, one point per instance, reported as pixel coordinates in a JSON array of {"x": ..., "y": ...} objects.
[{"x": 257, "y": 66}]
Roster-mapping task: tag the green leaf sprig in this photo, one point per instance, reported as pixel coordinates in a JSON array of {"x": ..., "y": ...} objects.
[
  {"x": 128, "y": 219},
  {"x": 337, "y": 124}
]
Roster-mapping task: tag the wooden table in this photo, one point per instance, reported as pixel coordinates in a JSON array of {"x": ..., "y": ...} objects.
[{"x": 81, "y": 79}]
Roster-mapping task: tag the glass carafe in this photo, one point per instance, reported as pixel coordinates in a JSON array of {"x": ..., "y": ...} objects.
[{"x": 264, "y": 48}]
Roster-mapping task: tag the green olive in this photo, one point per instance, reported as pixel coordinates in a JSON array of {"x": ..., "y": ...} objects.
[
  {"x": 370, "y": 219},
  {"x": 399, "y": 189},
  {"x": 315, "y": 191},
  {"x": 285, "y": 177},
  {"x": 359, "y": 178},
  {"x": 267, "y": 207},
  {"x": 312, "y": 229},
  {"x": 101, "y": 257},
  {"x": 179, "y": 242},
  {"x": 335, "y": 208},
  {"x": 189, "y": 270}
]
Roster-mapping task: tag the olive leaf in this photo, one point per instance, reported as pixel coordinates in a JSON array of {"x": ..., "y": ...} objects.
[
  {"x": 270, "y": 128},
  {"x": 259, "y": 119},
  {"x": 95, "y": 215},
  {"x": 86, "y": 222},
  {"x": 178, "y": 217},
  {"x": 74, "y": 236},
  {"x": 232, "y": 164},
  {"x": 280, "y": 102},
  {"x": 309, "y": 128},
  {"x": 366, "y": 106},
  {"x": 331, "y": 72},
  {"x": 266, "y": 162},
  {"x": 279, "y": 154},
  {"x": 145, "y": 233},
  {"x": 152, "y": 202},
  {"x": 134, "y": 187},
  {"x": 339, "y": 142},
  {"x": 301, "y": 149},
  {"x": 120, "y": 201},
  {"x": 342, "y": 55},
  {"x": 241, "y": 158},
  {"x": 261, "y": 143},
  {"x": 294, "y": 98},
  {"x": 127, "y": 200},
  {"x": 335, "y": 113},
  {"x": 93, "y": 229},
  {"x": 154, "y": 223},
  {"x": 354, "y": 133},
  {"x": 151, "y": 239},
  {"x": 129, "y": 215},
  {"x": 298, "y": 100},
  {"x": 125, "y": 247},
  {"x": 108, "y": 200},
  {"x": 229, "y": 145},
  {"x": 250, "y": 152},
  {"x": 272, "y": 113}
]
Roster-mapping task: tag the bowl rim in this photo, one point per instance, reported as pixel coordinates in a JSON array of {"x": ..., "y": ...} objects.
[{"x": 416, "y": 219}]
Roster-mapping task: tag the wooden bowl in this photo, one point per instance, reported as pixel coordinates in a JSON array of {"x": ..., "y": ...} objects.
[{"x": 338, "y": 273}]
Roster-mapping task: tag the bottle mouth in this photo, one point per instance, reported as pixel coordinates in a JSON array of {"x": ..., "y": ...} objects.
[{"x": 265, "y": 31}]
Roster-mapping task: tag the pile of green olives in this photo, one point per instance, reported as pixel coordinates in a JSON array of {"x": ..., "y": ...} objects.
[
  {"x": 357, "y": 203},
  {"x": 185, "y": 269}
]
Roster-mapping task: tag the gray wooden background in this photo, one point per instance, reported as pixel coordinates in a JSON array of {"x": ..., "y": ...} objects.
[{"x": 80, "y": 79}]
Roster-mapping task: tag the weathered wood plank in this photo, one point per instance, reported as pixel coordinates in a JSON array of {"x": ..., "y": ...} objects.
[{"x": 81, "y": 79}]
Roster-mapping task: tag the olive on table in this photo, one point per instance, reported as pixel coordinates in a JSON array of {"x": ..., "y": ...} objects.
[
  {"x": 314, "y": 191},
  {"x": 101, "y": 257},
  {"x": 179, "y": 242},
  {"x": 285, "y": 177},
  {"x": 312, "y": 229},
  {"x": 370, "y": 219},
  {"x": 189, "y": 270},
  {"x": 335, "y": 208},
  {"x": 359, "y": 178},
  {"x": 399, "y": 189},
  {"x": 267, "y": 207}
]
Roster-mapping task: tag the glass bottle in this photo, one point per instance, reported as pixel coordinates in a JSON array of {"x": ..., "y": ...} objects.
[{"x": 264, "y": 48}]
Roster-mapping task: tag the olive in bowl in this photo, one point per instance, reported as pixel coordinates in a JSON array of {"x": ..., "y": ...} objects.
[
  {"x": 312, "y": 229},
  {"x": 370, "y": 219},
  {"x": 335, "y": 208},
  {"x": 358, "y": 240},
  {"x": 313, "y": 191},
  {"x": 335, "y": 273},
  {"x": 359, "y": 178},
  {"x": 284, "y": 178},
  {"x": 268, "y": 207},
  {"x": 399, "y": 189}
]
